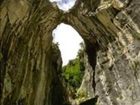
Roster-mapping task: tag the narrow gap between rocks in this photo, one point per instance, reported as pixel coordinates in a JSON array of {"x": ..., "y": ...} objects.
[
  {"x": 72, "y": 50},
  {"x": 79, "y": 60}
]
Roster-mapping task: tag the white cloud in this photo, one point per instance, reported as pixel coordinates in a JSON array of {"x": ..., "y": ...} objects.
[
  {"x": 64, "y": 4},
  {"x": 69, "y": 40}
]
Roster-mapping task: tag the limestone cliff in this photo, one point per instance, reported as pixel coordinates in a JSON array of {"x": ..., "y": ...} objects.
[
  {"x": 27, "y": 68},
  {"x": 110, "y": 29}
]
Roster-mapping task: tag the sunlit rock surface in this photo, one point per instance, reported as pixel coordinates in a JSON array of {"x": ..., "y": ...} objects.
[
  {"x": 86, "y": 87},
  {"x": 110, "y": 29}
]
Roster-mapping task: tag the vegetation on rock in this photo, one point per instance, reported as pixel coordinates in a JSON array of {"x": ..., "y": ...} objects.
[
  {"x": 73, "y": 73},
  {"x": 27, "y": 65}
]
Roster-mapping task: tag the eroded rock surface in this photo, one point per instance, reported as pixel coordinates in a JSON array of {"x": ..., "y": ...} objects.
[{"x": 110, "y": 29}]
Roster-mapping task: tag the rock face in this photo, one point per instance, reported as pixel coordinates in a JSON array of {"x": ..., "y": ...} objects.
[
  {"x": 86, "y": 86},
  {"x": 91, "y": 101},
  {"x": 27, "y": 69},
  {"x": 110, "y": 29}
]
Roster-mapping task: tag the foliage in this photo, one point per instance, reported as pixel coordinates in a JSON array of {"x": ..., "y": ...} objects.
[
  {"x": 82, "y": 94},
  {"x": 73, "y": 72}
]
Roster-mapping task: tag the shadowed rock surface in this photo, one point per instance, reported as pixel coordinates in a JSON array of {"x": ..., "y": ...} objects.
[
  {"x": 29, "y": 70},
  {"x": 91, "y": 101}
]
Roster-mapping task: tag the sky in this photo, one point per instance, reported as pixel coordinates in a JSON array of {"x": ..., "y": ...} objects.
[
  {"x": 65, "y": 5},
  {"x": 67, "y": 37},
  {"x": 69, "y": 41}
]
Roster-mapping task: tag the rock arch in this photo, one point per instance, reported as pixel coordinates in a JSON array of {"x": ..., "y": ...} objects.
[{"x": 110, "y": 31}]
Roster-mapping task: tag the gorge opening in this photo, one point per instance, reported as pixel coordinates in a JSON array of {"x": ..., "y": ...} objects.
[
  {"x": 64, "y": 5},
  {"x": 68, "y": 40},
  {"x": 71, "y": 46}
]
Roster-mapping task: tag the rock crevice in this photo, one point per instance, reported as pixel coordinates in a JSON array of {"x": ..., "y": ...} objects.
[{"x": 110, "y": 29}]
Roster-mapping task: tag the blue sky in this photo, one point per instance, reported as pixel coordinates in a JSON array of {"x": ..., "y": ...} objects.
[{"x": 64, "y": 4}]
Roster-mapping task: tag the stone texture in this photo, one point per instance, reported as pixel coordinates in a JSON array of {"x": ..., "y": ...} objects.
[
  {"x": 110, "y": 29},
  {"x": 116, "y": 31},
  {"x": 86, "y": 85},
  {"x": 27, "y": 71}
]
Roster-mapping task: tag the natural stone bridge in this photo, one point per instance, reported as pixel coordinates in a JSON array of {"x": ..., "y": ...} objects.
[{"x": 111, "y": 32}]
